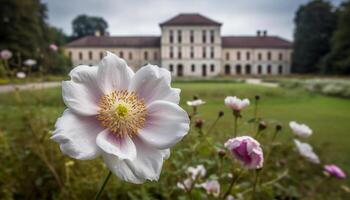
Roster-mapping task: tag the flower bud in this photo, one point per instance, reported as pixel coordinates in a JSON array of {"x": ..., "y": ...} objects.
[
  {"x": 278, "y": 127},
  {"x": 221, "y": 113},
  {"x": 195, "y": 97},
  {"x": 199, "y": 123},
  {"x": 257, "y": 97},
  {"x": 221, "y": 153},
  {"x": 262, "y": 126}
]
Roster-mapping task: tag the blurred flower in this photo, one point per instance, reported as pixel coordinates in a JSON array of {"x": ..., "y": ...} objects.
[
  {"x": 247, "y": 150},
  {"x": 335, "y": 171},
  {"x": 30, "y": 62},
  {"x": 300, "y": 130},
  {"x": 235, "y": 103},
  {"x": 212, "y": 187},
  {"x": 197, "y": 102},
  {"x": 53, "y": 47},
  {"x": 186, "y": 184},
  {"x": 196, "y": 172},
  {"x": 6, "y": 54},
  {"x": 230, "y": 197},
  {"x": 130, "y": 119},
  {"x": 306, "y": 151},
  {"x": 20, "y": 75},
  {"x": 262, "y": 125}
]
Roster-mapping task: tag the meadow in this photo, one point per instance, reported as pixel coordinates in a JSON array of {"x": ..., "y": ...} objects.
[{"x": 33, "y": 167}]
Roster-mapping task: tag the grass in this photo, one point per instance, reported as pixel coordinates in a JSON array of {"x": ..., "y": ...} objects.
[{"x": 328, "y": 116}]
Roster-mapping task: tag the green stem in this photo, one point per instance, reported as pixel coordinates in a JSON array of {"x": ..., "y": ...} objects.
[
  {"x": 98, "y": 195},
  {"x": 213, "y": 125},
  {"x": 255, "y": 183},
  {"x": 236, "y": 124}
]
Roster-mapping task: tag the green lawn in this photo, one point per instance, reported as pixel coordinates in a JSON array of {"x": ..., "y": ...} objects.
[{"x": 32, "y": 114}]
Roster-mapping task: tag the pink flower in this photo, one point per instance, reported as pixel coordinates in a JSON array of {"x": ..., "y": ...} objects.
[
  {"x": 6, "y": 54},
  {"x": 247, "y": 150},
  {"x": 300, "y": 130},
  {"x": 307, "y": 152},
  {"x": 53, "y": 47},
  {"x": 235, "y": 103},
  {"x": 212, "y": 187},
  {"x": 196, "y": 172},
  {"x": 130, "y": 119},
  {"x": 186, "y": 184},
  {"x": 335, "y": 171}
]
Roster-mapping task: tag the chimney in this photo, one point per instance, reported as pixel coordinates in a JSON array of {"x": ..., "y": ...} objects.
[
  {"x": 258, "y": 33},
  {"x": 265, "y": 33}
]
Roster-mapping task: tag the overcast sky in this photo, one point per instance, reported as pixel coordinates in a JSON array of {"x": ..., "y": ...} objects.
[{"x": 131, "y": 17}]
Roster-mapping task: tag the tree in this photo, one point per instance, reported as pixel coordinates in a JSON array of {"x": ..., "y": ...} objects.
[
  {"x": 84, "y": 25},
  {"x": 315, "y": 23},
  {"x": 338, "y": 60}
]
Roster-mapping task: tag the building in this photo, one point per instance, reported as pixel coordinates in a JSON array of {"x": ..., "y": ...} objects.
[{"x": 191, "y": 45}]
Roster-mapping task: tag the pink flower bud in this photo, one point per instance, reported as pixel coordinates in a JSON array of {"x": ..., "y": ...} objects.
[{"x": 247, "y": 150}]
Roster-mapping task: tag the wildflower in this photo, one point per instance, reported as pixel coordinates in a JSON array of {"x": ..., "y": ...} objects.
[
  {"x": 212, "y": 187},
  {"x": 20, "y": 75},
  {"x": 6, "y": 54},
  {"x": 196, "y": 102},
  {"x": 196, "y": 172},
  {"x": 130, "y": 119},
  {"x": 30, "y": 62},
  {"x": 300, "y": 130},
  {"x": 307, "y": 152},
  {"x": 53, "y": 47},
  {"x": 185, "y": 185},
  {"x": 247, "y": 150},
  {"x": 236, "y": 104},
  {"x": 335, "y": 171}
]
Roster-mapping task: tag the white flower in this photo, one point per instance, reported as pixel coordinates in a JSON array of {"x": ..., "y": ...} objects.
[
  {"x": 20, "y": 75},
  {"x": 300, "y": 130},
  {"x": 30, "y": 62},
  {"x": 130, "y": 119},
  {"x": 235, "y": 103},
  {"x": 212, "y": 187},
  {"x": 230, "y": 197},
  {"x": 306, "y": 151},
  {"x": 53, "y": 47},
  {"x": 196, "y": 172},
  {"x": 6, "y": 54},
  {"x": 196, "y": 102},
  {"x": 186, "y": 184}
]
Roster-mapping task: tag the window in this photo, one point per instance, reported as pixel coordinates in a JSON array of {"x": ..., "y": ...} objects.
[
  {"x": 280, "y": 69},
  {"x": 179, "y": 53},
  {"x": 101, "y": 55},
  {"x": 90, "y": 55},
  {"x": 212, "y": 38},
  {"x": 80, "y": 56},
  {"x": 191, "y": 36},
  {"x": 192, "y": 52},
  {"x": 280, "y": 56},
  {"x": 211, "y": 52},
  {"x": 179, "y": 36},
  {"x": 248, "y": 55},
  {"x": 193, "y": 68},
  {"x": 259, "y": 56},
  {"x": 171, "y": 36},
  {"x": 227, "y": 56},
  {"x": 227, "y": 69},
  {"x": 121, "y": 54},
  {"x": 248, "y": 69},
  {"x": 70, "y": 54},
  {"x": 155, "y": 56},
  {"x": 238, "y": 55},
  {"x": 171, "y": 68},
  {"x": 204, "y": 37},
  {"x": 259, "y": 69},
  {"x": 212, "y": 68},
  {"x": 269, "y": 69},
  {"x": 238, "y": 69},
  {"x": 145, "y": 55},
  {"x": 130, "y": 56},
  {"x": 171, "y": 52},
  {"x": 204, "y": 52},
  {"x": 268, "y": 55}
]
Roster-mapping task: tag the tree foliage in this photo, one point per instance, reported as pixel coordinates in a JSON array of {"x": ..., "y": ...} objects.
[
  {"x": 84, "y": 25},
  {"x": 315, "y": 23}
]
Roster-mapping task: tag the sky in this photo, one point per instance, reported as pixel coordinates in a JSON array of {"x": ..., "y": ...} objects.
[{"x": 142, "y": 17}]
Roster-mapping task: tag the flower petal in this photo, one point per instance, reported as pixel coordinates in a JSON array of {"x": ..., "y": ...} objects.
[
  {"x": 166, "y": 124},
  {"x": 113, "y": 74},
  {"x": 122, "y": 147},
  {"x": 77, "y": 135},
  {"x": 153, "y": 83},
  {"x": 86, "y": 75}
]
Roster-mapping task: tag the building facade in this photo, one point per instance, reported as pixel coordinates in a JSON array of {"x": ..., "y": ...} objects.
[{"x": 191, "y": 45}]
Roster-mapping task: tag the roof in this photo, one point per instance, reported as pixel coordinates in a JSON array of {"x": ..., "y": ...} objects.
[
  {"x": 116, "y": 41},
  {"x": 255, "y": 42},
  {"x": 190, "y": 19}
]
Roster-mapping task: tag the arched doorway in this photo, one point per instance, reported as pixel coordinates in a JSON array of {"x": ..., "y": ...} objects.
[
  {"x": 248, "y": 69},
  {"x": 238, "y": 69},
  {"x": 227, "y": 69},
  {"x": 180, "y": 70},
  {"x": 204, "y": 70}
]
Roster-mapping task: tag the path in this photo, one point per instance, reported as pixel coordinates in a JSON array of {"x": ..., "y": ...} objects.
[
  {"x": 11, "y": 87},
  {"x": 255, "y": 81}
]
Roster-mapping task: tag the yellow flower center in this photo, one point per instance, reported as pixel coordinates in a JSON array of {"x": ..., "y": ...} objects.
[{"x": 122, "y": 112}]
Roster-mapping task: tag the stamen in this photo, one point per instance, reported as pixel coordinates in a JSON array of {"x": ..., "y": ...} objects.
[{"x": 122, "y": 112}]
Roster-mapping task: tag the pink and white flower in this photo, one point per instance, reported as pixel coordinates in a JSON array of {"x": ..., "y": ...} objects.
[
  {"x": 196, "y": 102},
  {"x": 247, "y": 150},
  {"x": 53, "y": 47},
  {"x": 335, "y": 171},
  {"x": 307, "y": 152},
  {"x": 196, "y": 172},
  {"x": 212, "y": 187},
  {"x": 235, "y": 103},
  {"x": 186, "y": 184},
  {"x": 130, "y": 119},
  {"x": 6, "y": 54},
  {"x": 30, "y": 62},
  {"x": 300, "y": 130}
]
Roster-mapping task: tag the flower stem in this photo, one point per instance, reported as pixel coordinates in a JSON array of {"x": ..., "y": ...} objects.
[
  {"x": 98, "y": 195},
  {"x": 255, "y": 183},
  {"x": 212, "y": 126},
  {"x": 235, "y": 124}
]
